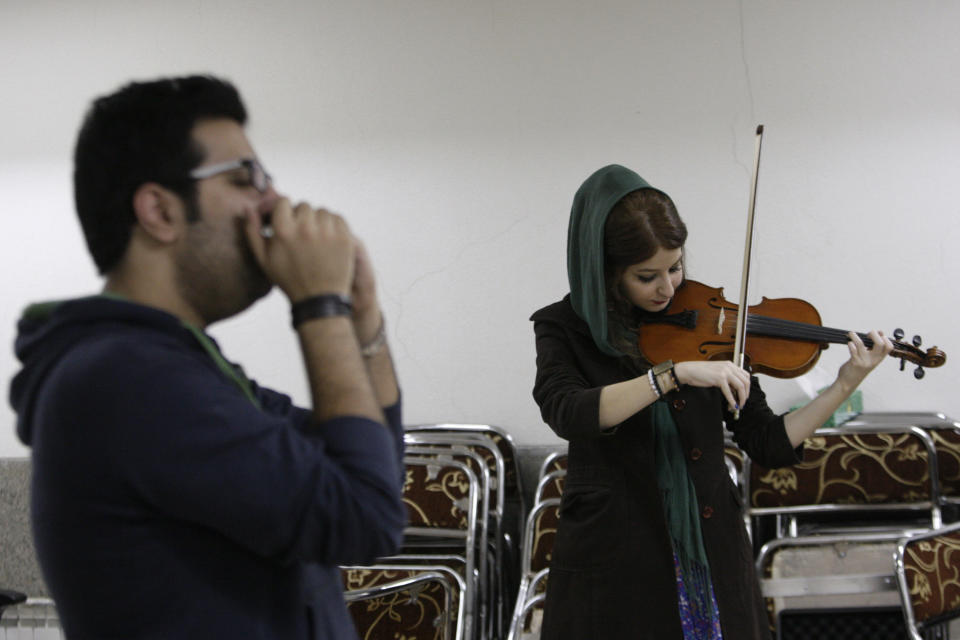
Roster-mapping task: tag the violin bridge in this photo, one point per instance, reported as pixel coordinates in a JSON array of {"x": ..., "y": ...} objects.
[{"x": 720, "y": 319}]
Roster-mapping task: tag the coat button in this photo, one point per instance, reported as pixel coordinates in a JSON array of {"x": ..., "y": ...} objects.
[
  {"x": 695, "y": 453},
  {"x": 708, "y": 512},
  {"x": 679, "y": 404}
]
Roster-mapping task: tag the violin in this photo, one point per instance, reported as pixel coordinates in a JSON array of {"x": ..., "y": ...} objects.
[{"x": 786, "y": 335}]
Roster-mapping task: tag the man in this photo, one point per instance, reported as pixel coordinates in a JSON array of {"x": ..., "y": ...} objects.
[{"x": 173, "y": 497}]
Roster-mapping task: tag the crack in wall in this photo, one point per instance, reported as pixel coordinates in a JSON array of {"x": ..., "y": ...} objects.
[{"x": 398, "y": 300}]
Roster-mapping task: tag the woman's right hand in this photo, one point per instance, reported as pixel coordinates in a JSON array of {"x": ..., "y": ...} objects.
[{"x": 732, "y": 381}]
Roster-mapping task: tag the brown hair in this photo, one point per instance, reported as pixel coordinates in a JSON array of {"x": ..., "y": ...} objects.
[{"x": 642, "y": 222}]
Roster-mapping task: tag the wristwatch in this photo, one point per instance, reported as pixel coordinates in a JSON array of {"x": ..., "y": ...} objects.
[
  {"x": 663, "y": 367},
  {"x": 666, "y": 367}
]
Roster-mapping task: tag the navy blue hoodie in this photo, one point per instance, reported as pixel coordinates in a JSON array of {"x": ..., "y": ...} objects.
[{"x": 170, "y": 502}]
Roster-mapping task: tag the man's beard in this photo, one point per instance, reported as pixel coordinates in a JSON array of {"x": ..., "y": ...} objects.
[{"x": 219, "y": 276}]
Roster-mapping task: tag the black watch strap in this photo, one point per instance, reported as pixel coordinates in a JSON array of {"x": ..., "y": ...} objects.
[{"x": 322, "y": 306}]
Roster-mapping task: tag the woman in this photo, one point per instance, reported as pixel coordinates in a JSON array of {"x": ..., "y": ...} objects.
[{"x": 651, "y": 542}]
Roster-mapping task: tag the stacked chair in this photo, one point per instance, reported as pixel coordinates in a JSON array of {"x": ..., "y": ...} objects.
[
  {"x": 537, "y": 548},
  {"x": 865, "y": 532},
  {"x": 838, "y": 517},
  {"x": 928, "y": 579},
  {"x": 464, "y": 501},
  {"x": 443, "y": 502},
  {"x": 420, "y": 601},
  {"x": 945, "y": 433}
]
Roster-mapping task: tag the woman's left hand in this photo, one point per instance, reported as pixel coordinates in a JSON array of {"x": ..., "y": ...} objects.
[
  {"x": 803, "y": 422},
  {"x": 863, "y": 360}
]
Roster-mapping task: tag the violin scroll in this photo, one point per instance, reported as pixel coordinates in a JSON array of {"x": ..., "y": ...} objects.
[{"x": 933, "y": 357}]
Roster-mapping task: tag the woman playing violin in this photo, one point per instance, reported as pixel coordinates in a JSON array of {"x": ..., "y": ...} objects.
[{"x": 651, "y": 541}]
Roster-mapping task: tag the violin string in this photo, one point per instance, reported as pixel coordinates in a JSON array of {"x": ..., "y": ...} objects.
[
  {"x": 777, "y": 327},
  {"x": 780, "y": 328},
  {"x": 792, "y": 329},
  {"x": 787, "y": 328}
]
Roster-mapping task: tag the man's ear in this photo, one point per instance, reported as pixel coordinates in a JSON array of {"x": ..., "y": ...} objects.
[{"x": 159, "y": 211}]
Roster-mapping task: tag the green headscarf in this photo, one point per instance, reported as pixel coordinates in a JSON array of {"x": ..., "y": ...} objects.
[
  {"x": 591, "y": 206},
  {"x": 585, "y": 269}
]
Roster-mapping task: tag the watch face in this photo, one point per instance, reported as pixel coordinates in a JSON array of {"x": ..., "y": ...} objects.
[{"x": 663, "y": 366}]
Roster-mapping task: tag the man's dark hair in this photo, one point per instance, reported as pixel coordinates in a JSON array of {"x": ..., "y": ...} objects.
[{"x": 140, "y": 134}]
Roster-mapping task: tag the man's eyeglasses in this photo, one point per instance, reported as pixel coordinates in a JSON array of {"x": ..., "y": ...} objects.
[{"x": 259, "y": 178}]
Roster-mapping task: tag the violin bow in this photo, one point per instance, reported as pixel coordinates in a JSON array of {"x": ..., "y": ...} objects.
[{"x": 741, "y": 335}]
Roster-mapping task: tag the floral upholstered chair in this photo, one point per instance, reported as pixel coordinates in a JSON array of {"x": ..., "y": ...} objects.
[
  {"x": 928, "y": 578},
  {"x": 839, "y": 515},
  {"x": 417, "y": 602}
]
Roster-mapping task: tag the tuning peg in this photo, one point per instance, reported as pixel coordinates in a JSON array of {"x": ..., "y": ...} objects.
[
  {"x": 918, "y": 373},
  {"x": 898, "y": 334},
  {"x": 903, "y": 363},
  {"x": 917, "y": 341}
]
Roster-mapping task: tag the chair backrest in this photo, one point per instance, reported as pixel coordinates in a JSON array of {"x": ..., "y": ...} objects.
[
  {"x": 501, "y": 511},
  {"x": 400, "y": 601},
  {"x": 556, "y": 461},
  {"x": 499, "y": 436},
  {"x": 875, "y": 469},
  {"x": 928, "y": 577},
  {"x": 443, "y": 498},
  {"x": 924, "y": 419},
  {"x": 490, "y": 472},
  {"x": 550, "y": 486},
  {"x": 476, "y": 465},
  {"x": 876, "y": 474},
  {"x": 947, "y": 443},
  {"x": 528, "y": 617},
  {"x": 945, "y": 432},
  {"x": 735, "y": 459},
  {"x": 536, "y": 552},
  {"x": 539, "y": 535}
]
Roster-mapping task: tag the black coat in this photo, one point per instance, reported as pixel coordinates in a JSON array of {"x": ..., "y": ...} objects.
[{"x": 612, "y": 573}]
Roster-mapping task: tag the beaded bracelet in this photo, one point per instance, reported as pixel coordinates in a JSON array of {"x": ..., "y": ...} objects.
[
  {"x": 664, "y": 368},
  {"x": 654, "y": 384}
]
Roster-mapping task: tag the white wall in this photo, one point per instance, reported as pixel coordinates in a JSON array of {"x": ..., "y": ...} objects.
[{"x": 454, "y": 134}]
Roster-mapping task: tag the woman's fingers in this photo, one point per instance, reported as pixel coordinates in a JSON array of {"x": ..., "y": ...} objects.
[
  {"x": 741, "y": 386},
  {"x": 873, "y": 355},
  {"x": 732, "y": 381},
  {"x": 727, "y": 393}
]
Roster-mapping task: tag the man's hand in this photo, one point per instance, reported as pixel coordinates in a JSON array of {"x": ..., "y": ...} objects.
[
  {"x": 366, "y": 308},
  {"x": 310, "y": 252}
]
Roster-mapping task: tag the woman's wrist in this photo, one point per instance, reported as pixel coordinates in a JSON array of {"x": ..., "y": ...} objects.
[
  {"x": 679, "y": 373},
  {"x": 664, "y": 377}
]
